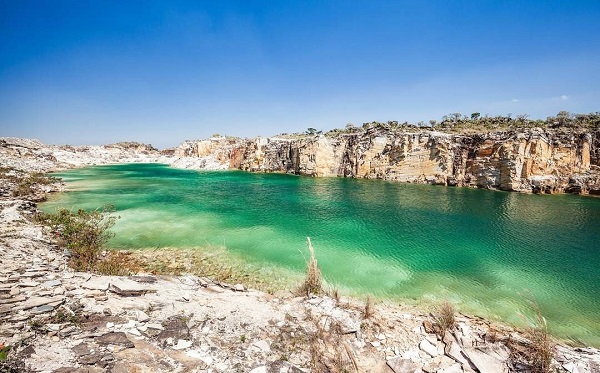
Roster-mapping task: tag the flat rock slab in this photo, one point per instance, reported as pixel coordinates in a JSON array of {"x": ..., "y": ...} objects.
[
  {"x": 52, "y": 283},
  {"x": 485, "y": 362},
  {"x": 39, "y": 301},
  {"x": 144, "y": 279},
  {"x": 13, "y": 299},
  {"x": 96, "y": 284},
  {"x": 127, "y": 287},
  {"x": 115, "y": 338},
  {"x": 400, "y": 365},
  {"x": 429, "y": 348}
]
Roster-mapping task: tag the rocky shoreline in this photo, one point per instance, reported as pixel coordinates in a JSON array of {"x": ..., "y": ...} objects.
[{"x": 58, "y": 320}]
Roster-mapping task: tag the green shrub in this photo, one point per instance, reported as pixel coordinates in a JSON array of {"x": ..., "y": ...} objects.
[{"x": 83, "y": 233}]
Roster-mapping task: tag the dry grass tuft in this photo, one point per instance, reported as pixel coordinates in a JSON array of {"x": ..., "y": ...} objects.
[
  {"x": 444, "y": 318},
  {"x": 538, "y": 351},
  {"x": 369, "y": 310},
  {"x": 313, "y": 283},
  {"x": 118, "y": 263},
  {"x": 329, "y": 352}
]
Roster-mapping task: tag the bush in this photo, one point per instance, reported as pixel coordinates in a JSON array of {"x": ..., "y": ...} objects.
[{"x": 83, "y": 233}]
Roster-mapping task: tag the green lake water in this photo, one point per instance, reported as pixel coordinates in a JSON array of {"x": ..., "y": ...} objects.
[{"x": 480, "y": 249}]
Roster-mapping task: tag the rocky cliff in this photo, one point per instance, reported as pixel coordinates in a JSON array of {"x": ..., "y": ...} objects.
[
  {"x": 34, "y": 156},
  {"x": 533, "y": 160}
]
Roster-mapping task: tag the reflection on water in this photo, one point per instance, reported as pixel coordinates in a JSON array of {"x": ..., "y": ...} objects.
[{"x": 477, "y": 248}]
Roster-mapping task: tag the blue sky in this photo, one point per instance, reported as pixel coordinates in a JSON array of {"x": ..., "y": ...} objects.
[{"x": 91, "y": 72}]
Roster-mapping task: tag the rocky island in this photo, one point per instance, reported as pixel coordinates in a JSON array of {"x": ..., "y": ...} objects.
[{"x": 55, "y": 319}]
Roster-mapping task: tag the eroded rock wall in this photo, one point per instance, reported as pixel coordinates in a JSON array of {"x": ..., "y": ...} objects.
[{"x": 528, "y": 161}]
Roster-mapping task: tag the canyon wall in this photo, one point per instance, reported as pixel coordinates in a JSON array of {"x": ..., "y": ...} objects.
[{"x": 527, "y": 161}]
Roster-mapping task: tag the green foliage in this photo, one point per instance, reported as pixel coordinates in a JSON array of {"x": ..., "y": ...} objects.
[
  {"x": 83, "y": 233},
  {"x": 27, "y": 185},
  {"x": 4, "y": 352}
]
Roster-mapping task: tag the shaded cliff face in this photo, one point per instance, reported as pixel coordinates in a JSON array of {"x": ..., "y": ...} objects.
[{"x": 529, "y": 161}]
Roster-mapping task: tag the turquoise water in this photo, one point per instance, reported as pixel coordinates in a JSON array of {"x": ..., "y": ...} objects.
[{"x": 477, "y": 248}]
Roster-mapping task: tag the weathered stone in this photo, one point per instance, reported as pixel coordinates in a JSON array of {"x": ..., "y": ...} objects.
[
  {"x": 454, "y": 352},
  {"x": 13, "y": 299},
  {"x": 428, "y": 348},
  {"x": 28, "y": 284},
  {"x": 281, "y": 366},
  {"x": 42, "y": 309},
  {"x": 52, "y": 283},
  {"x": 144, "y": 279},
  {"x": 262, "y": 345},
  {"x": 81, "y": 349},
  {"x": 39, "y": 301},
  {"x": 134, "y": 331},
  {"x": 455, "y": 368},
  {"x": 175, "y": 328},
  {"x": 182, "y": 344},
  {"x": 400, "y": 365},
  {"x": 484, "y": 362},
  {"x": 96, "y": 284},
  {"x": 141, "y": 316},
  {"x": 428, "y": 326},
  {"x": 115, "y": 338},
  {"x": 125, "y": 287}
]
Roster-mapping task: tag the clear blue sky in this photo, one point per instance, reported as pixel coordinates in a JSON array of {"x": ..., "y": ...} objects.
[{"x": 90, "y": 72}]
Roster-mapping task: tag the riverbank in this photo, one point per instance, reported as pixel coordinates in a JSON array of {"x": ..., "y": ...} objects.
[{"x": 58, "y": 320}]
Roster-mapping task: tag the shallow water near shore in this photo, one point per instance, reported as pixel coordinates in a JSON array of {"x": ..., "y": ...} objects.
[{"x": 481, "y": 250}]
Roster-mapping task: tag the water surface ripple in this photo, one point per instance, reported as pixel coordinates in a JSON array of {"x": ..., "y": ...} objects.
[{"x": 477, "y": 248}]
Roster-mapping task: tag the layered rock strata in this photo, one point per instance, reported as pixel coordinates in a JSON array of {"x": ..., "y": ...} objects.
[{"x": 528, "y": 161}]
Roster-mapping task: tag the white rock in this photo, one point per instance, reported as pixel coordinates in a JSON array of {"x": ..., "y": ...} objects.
[
  {"x": 142, "y": 316},
  {"x": 428, "y": 348},
  {"x": 262, "y": 345},
  {"x": 134, "y": 331},
  {"x": 96, "y": 284},
  {"x": 261, "y": 369},
  {"x": 110, "y": 325},
  {"x": 454, "y": 368},
  {"x": 182, "y": 344}
]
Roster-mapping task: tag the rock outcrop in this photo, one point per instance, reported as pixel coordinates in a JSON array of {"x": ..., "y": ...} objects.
[
  {"x": 527, "y": 161},
  {"x": 34, "y": 156}
]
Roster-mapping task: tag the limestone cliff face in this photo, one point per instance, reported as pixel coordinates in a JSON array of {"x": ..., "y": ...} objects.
[{"x": 528, "y": 161}]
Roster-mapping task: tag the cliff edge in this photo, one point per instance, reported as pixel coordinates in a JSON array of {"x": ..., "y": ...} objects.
[{"x": 529, "y": 160}]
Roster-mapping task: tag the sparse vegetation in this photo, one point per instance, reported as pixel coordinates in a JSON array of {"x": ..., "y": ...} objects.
[
  {"x": 313, "y": 283},
  {"x": 117, "y": 263},
  {"x": 538, "y": 349},
  {"x": 369, "y": 310},
  {"x": 444, "y": 318},
  {"x": 23, "y": 184},
  {"x": 476, "y": 123},
  {"x": 83, "y": 233},
  {"x": 329, "y": 352}
]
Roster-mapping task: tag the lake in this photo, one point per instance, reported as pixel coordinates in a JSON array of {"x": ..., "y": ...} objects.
[{"x": 486, "y": 251}]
